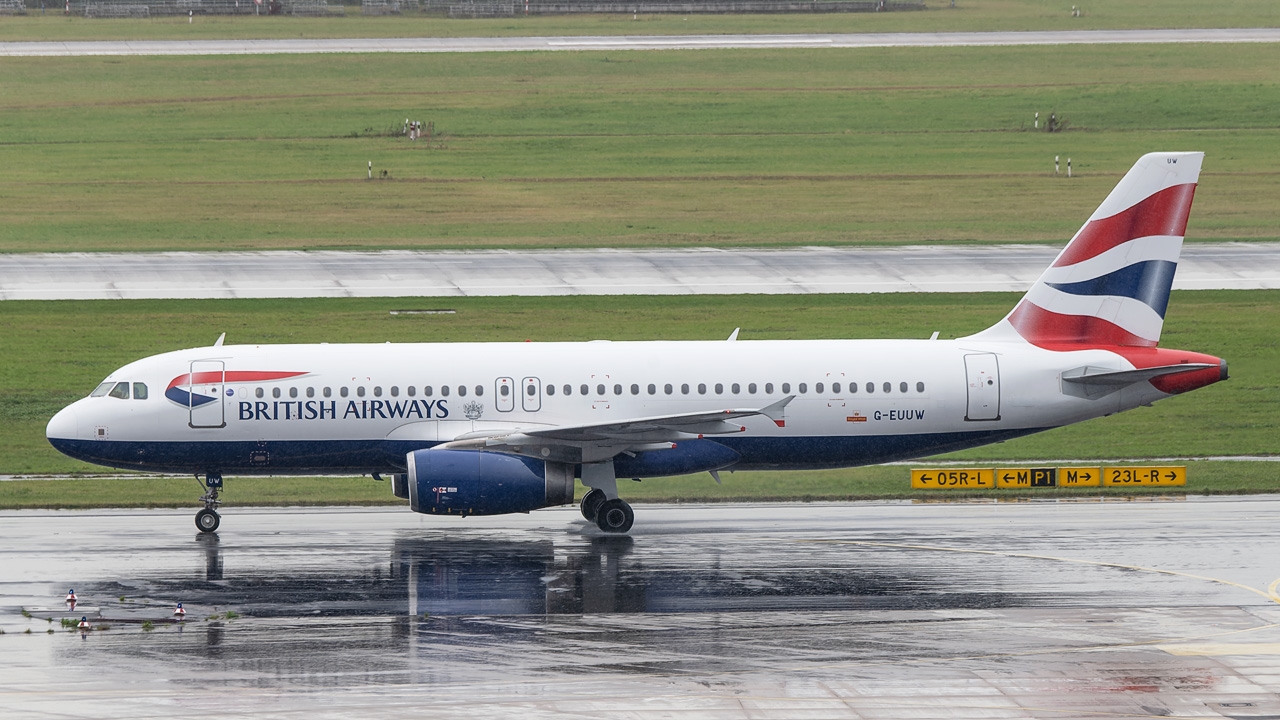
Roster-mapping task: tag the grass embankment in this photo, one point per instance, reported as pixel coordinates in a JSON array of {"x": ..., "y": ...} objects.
[
  {"x": 672, "y": 148},
  {"x": 59, "y": 351}
]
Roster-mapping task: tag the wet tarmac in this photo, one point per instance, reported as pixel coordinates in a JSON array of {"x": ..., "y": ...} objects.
[{"x": 865, "y": 610}]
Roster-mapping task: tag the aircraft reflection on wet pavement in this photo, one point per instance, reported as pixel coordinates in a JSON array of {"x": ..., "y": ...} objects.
[{"x": 451, "y": 573}]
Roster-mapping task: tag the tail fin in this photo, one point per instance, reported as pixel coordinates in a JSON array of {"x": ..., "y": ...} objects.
[{"x": 1110, "y": 285}]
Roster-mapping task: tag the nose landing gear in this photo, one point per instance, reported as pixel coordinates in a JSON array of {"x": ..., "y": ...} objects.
[{"x": 207, "y": 520}]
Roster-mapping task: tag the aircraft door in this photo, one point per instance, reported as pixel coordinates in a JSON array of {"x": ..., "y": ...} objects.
[
  {"x": 505, "y": 392},
  {"x": 531, "y": 398},
  {"x": 982, "y": 375},
  {"x": 205, "y": 387}
]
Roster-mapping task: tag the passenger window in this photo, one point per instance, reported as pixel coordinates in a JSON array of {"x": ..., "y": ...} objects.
[
  {"x": 462, "y": 391},
  {"x": 751, "y": 388},
  {"x": 919, "y": 387},
  {"x": 327, "y": 392},
  {"x": 902, "y": 387},
  {"x": 293, "y": 392},
  {"x": 121, "y": 390},
  {"x": 504, "y": 390},
  {"x": 817, "y": 387},
  {"x": 426, "y": 391},
  {"x": 684, "y": 389},
  {"x": 139, "y": 391},
  {"x": 411, "y": 391},
  {"x": 600, "y": 390},
  {"x": 102, "y": 390},
  {"x": 835, "y": 388},
  {"x": 360, "y": 391},
  {"x": 786, "y": 387},
  {"x": 275, "y": 392},
  {"x": 888, "y": 387},
  {"x": 635, "y": 389},
  {"x": 551, "y": 389},
  {"x": 719, "y": 388},
  {"x": 395, "y": 391},
  {"x": 653, "y": 389},
  {"x": 768, "y": 388},
  {"x": 311, "y": 392},
  {"x": 803, "y": 388},
  {"x": 617, "y": 389},
  {"x": 668, "y": 389},
  {"x": 444, "y": 391},
  {"x": 377, "y": 391},
  {"x": 702, "y": 388},
  {"x": 480, "y": 390},
  {"x": 257, "y": 392},
  {"x": 735, "y": 388},
  {"x": 341, "y": 391},
  {"x": 568, "y": 389},
  {"x": 583, "y": 390},
  {"x": 871, "y": 387},
  {"x": 853, "y": 388}
]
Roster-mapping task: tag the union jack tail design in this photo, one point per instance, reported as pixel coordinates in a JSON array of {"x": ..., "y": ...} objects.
[{"x": 1110, "y": 285}]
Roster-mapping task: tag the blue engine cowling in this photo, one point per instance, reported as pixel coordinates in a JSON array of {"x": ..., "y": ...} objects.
[{"x": 470, "y": 482}]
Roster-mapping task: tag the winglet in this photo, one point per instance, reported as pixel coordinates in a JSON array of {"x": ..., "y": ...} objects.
[
  {"x": 218, "y": 342},
  {"x": 774, "y": 411}
]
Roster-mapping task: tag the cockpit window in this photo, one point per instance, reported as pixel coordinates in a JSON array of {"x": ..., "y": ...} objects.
[
  {"x": 139, "y": 391},
  {"x": 102, "y": 389},
  {"x": 121, "y": 390}
]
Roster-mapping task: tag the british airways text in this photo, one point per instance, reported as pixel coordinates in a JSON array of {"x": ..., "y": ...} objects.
[{"x": 328, "y": 410}]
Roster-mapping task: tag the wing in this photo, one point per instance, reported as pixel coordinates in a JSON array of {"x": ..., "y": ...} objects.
[{"x": 595, "y": 442}]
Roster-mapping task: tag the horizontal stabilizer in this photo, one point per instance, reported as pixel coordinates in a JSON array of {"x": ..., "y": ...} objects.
[{"x": 1095, "y": 382}]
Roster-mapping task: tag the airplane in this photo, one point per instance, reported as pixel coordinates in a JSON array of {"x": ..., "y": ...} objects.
[{"x": 491, "y": 428}]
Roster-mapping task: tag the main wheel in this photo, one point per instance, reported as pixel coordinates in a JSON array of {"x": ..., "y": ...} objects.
[
  {"x": 591, "y": 503},
  {"x": 615, "y": 516},
  {"x": 207, "y": 520}
]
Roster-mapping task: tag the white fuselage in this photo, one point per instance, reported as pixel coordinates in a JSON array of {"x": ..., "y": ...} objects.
[{"x": 342, "y": 408}]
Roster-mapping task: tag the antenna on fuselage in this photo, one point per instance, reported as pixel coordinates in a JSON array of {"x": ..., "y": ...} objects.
[
  {"x": 218, "y": 342},
  {"x": 734, "y": 335}
]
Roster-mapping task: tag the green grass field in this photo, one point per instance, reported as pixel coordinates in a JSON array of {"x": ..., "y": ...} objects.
[
  {"x": 968, "y": 15},
  {"x": 678, "y": 148},
  {"x": 58, "y": 351}
]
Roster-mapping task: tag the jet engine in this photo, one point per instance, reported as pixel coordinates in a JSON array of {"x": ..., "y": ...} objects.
[{"x": 472, "y": 482}]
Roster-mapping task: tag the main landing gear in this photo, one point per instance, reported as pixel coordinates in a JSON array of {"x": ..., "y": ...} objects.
[
  {"x": 611, "y": 514},
  {"x": 207, "y": 520}
]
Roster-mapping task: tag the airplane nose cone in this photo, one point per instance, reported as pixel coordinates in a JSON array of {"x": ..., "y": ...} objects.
[{"x": 63, "y": 426}]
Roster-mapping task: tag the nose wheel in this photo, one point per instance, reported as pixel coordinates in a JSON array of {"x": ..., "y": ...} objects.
[{"x": 208, "y": 519}]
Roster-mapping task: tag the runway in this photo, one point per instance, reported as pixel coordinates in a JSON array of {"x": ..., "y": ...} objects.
[
  {"x": 866, "y": 610},
  {"x": 634, "y": 42},
  {"x": 87, "y": 276}
]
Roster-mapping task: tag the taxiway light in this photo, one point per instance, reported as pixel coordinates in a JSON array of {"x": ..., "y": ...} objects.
[
  {"x": 71, "y": 596},
  {"x": 84, "y": 623},
  {"x": 179, "y": 612}
]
